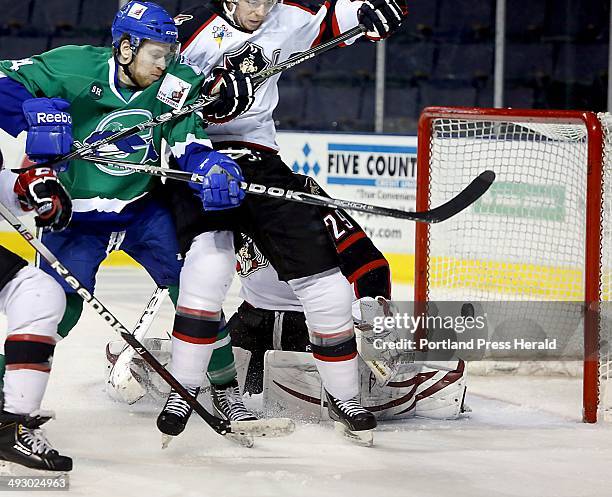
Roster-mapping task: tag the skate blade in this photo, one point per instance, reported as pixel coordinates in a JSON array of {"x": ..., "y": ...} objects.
[
  {"x": 243, "y": 440},
  {"x": 364, "y": 438},
  {"x": 166, "y": 439},
  {"x": 8, "y": 468},
  {"x": 270, "y": 428}
]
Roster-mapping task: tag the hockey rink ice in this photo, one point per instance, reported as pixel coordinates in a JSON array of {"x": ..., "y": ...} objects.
[{"x": 523, "y": 437}]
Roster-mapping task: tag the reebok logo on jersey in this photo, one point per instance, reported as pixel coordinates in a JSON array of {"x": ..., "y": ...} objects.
[
  {"x": 173, "y": 91},
  {"x": 44, "y": 118}
]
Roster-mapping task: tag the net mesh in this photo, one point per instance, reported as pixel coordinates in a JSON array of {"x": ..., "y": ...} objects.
[{"x": 524, "y": 241}]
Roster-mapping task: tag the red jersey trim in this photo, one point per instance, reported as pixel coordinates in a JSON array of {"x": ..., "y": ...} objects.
[
  {"x": 198, "y": 31},
  {"x": 349, "y": 241},
  {"x": 367, "y": 268}
]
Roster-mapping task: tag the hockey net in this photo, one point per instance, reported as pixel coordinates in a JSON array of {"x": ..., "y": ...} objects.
[{"x": 538, "y": 244}]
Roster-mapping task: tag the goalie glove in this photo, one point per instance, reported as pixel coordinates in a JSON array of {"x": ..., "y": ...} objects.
[
  {"x": 236, "y": 95},
  {"x": 380, "y": 17},
  {"x": 40, "y": 190},
  {"x": 384, "y": 363}
]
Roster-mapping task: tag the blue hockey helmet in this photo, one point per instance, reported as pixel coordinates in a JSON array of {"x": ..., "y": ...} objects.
[{"x": 144, "y": 21}]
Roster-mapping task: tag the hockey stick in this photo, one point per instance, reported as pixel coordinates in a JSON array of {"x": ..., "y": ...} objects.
[
  {"x": 455, "y": 205},
  {"x": 240, "y": 430},
  {"x": 120, "y": 378},
  {"x": 200, "y": 103}
]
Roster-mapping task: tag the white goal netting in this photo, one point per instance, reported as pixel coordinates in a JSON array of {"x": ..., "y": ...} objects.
[{"x": 520, "y": 251}]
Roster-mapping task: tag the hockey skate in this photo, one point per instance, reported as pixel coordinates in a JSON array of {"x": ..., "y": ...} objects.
[
  {"x": 23, "y": 442},
  {"x": 174, "y": 416},
  {"x": 352, "y": 420},
  {"x": 228, "y": 404}
]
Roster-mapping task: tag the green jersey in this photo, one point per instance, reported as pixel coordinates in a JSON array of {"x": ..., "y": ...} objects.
[{"x": 87, "y": 77}]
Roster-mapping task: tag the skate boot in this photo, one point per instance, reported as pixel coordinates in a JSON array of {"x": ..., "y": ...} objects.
[
  {"x": 23, "y": 442},
  {"x": 352, "y": 420},
  {"x": 228, "y": 404},
  {"x": 174, "y": 416}
]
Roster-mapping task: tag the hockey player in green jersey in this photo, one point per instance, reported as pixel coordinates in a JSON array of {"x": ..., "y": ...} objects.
[{"x": 84, "y": 93}]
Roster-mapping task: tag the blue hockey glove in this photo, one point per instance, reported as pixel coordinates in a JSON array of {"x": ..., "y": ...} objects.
[
  {"x": 50, "y": 129},
  {"x": 221, "y": 186}
]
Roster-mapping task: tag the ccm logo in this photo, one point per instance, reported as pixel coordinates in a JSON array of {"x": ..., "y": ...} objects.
[{"x": 61, "y": 118}]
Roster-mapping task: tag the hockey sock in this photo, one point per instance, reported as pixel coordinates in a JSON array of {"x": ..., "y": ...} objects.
[
  {"x": 28, "y": 364},
  {"x": 74, "y": 308},
  {"x": 337, "y": 366},
  {"x": 193, "y": 338},
  {"x": 222, "y": 369},
  {"x": 173, "y": 292}
]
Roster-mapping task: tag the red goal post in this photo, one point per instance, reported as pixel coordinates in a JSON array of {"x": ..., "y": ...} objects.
[{"x": 551, "y": 250}]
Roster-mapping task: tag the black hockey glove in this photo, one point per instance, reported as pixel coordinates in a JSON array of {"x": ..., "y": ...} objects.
[
  {"x": 380, "y": 17},
  {"x": 236, "y": 92},
  {"x": 40, "y": 190}
]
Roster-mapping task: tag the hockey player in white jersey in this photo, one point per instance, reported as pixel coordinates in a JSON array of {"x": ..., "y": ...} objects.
[
  {"x": 232, "y": 39},
  {"x": 34, "y": 305}
]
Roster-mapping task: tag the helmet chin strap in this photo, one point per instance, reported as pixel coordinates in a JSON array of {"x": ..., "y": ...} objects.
[
  {"x": 229, "y": 7},
  {"x": 126, "y": 67}
]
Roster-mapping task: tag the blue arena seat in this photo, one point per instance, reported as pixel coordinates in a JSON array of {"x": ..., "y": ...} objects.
[
  {"x": 405, "y": 62},
  {"x": 60, "y": 41},
  {"x": 291, "y": 104},
  {"x": 458, "y": 18},
  {"x": 527, "y": 60},
  {"x": 50, "y": 14},
  {"x": 402, "y": 103},
  {"x": 98, "y": 14},
  {"x": 525, "y": 20},
  {"x": 464, "y": 61},
  {"x": 15, "y": 13},
  {"x": 20, "y": 47},
  {"x": 440, "y": 95},
  {"x": 581, "y": 63}
]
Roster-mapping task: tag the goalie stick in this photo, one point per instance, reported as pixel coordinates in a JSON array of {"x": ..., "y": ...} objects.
[
  {"x": 477, "y": 187},
  {"x": 200, "y": 103},
  {"x": 240, "y": 430},
  {"x": 121, "y": 379}
]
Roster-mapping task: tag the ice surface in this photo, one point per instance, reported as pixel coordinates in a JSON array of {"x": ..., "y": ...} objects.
[{"x": 523, "y": 437}]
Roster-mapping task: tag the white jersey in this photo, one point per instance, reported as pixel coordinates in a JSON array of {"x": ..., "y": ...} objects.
[{"x": 209, "y": 41}]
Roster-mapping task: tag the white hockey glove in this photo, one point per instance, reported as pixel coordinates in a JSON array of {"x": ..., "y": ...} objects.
[
  {"x": 380, "y": 17},
  {"x": 383, "y": 362}
]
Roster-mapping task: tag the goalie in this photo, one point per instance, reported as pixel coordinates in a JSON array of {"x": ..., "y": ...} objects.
[{"x": 271, "y": 325}]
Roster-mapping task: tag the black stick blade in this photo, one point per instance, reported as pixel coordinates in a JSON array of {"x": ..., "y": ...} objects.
[{"x": 476, "y": 189}]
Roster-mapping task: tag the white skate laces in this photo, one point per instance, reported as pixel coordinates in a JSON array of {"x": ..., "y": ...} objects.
[
  {"x": 229, "y": 402},
  {"x": 177, "y": 405},
  {"x": 35, "y": 439},
  {"x": 351, "y": 407}
]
